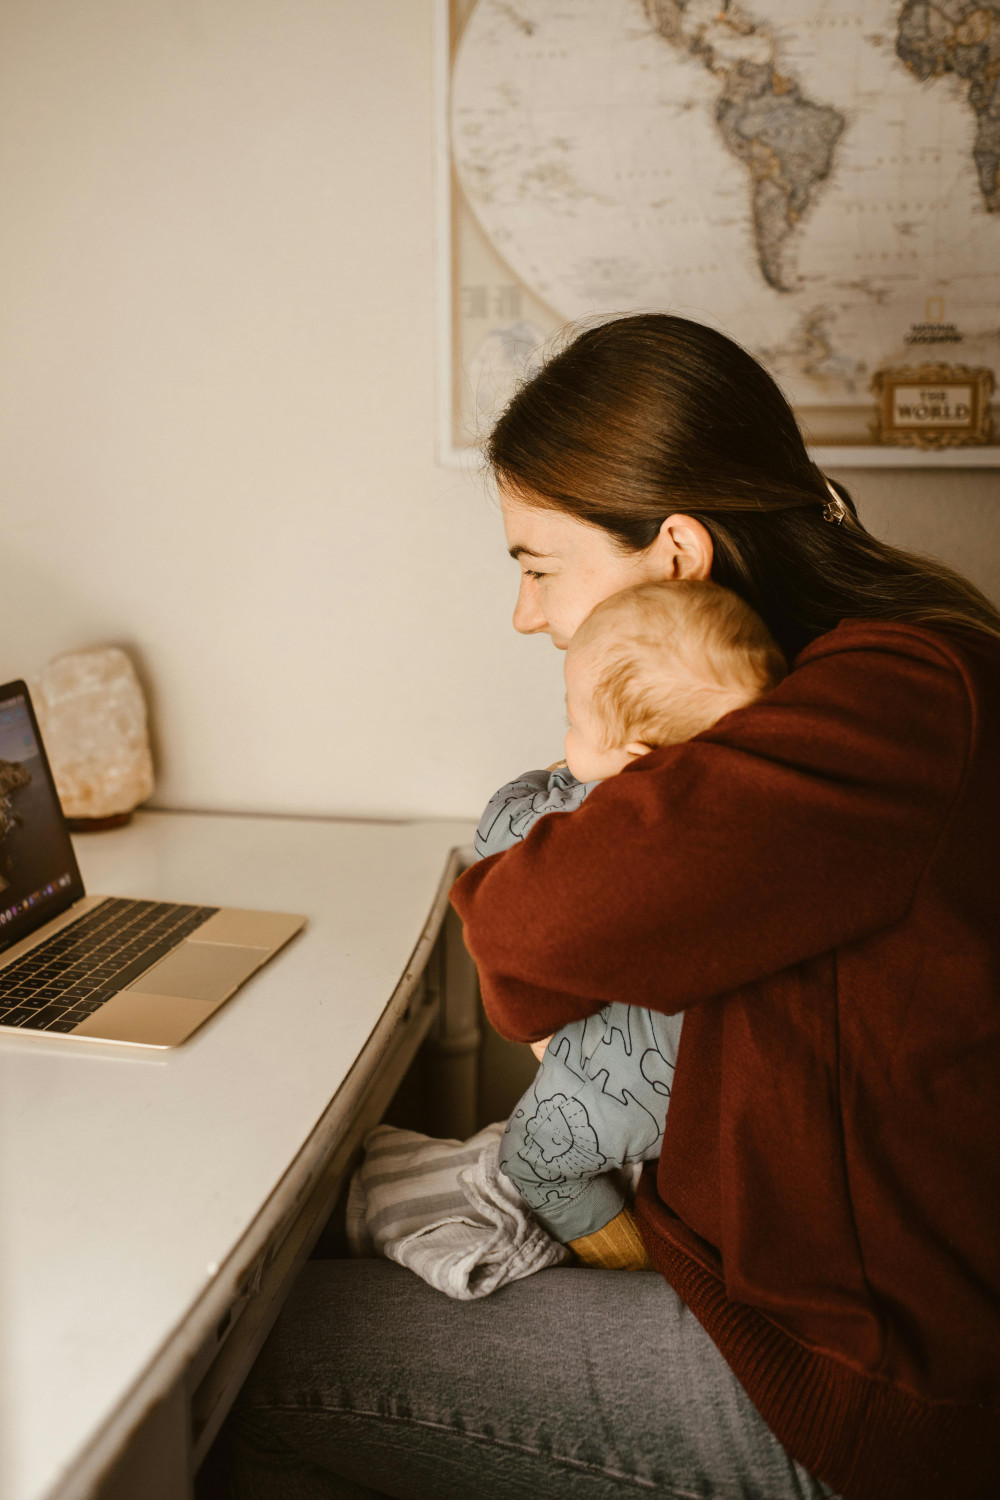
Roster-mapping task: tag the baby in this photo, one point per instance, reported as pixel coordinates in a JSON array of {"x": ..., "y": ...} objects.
[{"x": 650, "y": 666}]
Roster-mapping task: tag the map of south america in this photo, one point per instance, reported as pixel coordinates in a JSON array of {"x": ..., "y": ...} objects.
[
  {"x": 963, "y": 38},
  {"x": 785, "y": 140}
]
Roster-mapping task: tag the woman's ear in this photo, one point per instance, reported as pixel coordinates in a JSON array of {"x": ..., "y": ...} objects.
[{"x": 682, "y": 549}]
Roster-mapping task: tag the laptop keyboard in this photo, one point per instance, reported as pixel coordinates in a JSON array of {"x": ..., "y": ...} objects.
[{"x": 62, "y": 981}]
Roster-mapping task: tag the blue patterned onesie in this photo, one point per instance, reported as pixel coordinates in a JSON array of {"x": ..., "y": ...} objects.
[{"x": 599, "y": 1100}]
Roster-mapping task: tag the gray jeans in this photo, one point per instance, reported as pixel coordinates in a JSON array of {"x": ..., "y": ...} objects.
[{"x": 576, "y": 1384}]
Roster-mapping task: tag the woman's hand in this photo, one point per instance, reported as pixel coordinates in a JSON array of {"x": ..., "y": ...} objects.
[{"x": 538, "y": 1048}]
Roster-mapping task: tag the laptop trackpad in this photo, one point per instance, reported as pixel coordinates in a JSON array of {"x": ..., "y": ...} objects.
[{"x": 200, "y": 971}]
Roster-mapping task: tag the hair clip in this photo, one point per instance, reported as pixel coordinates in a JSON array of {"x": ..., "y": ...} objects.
[{"x": 834, "y": 510}]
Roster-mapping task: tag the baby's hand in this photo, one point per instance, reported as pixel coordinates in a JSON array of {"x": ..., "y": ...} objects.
[{"x": 538, "y": 1048}]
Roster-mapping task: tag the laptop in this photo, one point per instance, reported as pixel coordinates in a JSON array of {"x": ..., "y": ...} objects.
[{"x": 102, "y": 968}]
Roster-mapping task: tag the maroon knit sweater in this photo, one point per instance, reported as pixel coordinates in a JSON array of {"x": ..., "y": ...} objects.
[{"x": 815, "y": 881}]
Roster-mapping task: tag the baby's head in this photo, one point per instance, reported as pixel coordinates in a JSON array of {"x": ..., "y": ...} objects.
[{"x": 656, "y": 664}]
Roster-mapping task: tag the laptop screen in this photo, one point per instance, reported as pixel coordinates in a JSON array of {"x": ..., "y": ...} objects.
[{"x": 39, "y": 877}]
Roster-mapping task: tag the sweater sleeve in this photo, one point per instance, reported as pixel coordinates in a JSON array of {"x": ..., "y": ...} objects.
[{"x": 793, "y": 826}]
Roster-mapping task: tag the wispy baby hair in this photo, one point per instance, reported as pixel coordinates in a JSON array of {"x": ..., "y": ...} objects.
[{"x": 673, "y": 658}]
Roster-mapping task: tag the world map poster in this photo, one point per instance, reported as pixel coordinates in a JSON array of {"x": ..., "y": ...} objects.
[{"x": 818, "y": 179}]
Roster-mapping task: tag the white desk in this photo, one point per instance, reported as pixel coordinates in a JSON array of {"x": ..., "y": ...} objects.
[{"x": 146, "y": 1198}]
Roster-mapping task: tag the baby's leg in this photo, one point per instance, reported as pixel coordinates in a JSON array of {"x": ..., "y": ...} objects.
[{"x": 598, "y": 1104}]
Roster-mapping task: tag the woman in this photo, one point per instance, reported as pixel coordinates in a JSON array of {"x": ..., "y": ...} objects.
[{"x": 813, "y": 882}]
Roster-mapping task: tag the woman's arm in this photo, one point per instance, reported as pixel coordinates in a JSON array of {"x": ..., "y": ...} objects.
[{"x": 793, "y": 826}]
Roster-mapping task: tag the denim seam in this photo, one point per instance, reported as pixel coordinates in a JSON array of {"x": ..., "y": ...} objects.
[{"x": 482, "y": 1437}]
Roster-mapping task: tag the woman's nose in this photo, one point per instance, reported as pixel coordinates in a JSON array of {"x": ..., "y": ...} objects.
[{"x": 529, "y": 618}]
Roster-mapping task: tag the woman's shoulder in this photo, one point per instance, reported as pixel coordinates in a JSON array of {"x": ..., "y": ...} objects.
[
  {"x": 881, "y": 693},
  {"x": 960, "y": 646},
  {"x": 878, "y": 694},
  {"x": 875, "y": 659}
]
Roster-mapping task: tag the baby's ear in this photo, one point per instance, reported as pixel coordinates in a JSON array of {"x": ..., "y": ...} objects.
[{"x": 635, "y": 748}]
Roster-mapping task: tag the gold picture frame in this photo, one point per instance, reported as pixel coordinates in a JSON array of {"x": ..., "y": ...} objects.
[{"x": 932, "y": 406}]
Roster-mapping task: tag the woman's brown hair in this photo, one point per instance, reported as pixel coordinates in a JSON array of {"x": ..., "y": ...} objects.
[{"x": 649, "y": 415}]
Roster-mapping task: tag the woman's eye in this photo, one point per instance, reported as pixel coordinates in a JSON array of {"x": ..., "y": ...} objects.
[{"x": 530, "y": 573}]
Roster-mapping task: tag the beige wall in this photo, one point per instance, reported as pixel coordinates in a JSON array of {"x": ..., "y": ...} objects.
[{"x": 218, "y": 325}]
